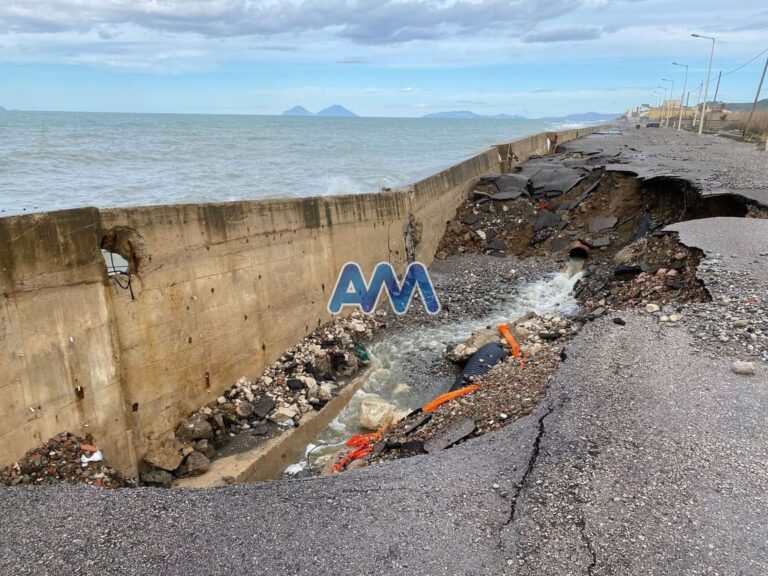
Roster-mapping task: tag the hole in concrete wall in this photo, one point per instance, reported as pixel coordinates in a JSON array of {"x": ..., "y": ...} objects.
[
  {"x": 116, "y": 264},
  {"x": 128, "y": 244}
]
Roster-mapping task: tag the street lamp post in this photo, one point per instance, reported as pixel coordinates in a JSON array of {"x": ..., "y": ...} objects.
[
  {"x": 696, "y": 111},
  {"x": 706, "y": 86},
  {"x": 682, "y": 94},
  {"x": 662, "y": 107},
  {"x": 671, "y": 93}
]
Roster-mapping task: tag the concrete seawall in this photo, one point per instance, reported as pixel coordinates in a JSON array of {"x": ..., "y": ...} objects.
[{"x": 217, "y": 291}]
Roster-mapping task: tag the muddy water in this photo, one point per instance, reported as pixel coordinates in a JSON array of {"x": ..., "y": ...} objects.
[{"x": 395, "y": 353}]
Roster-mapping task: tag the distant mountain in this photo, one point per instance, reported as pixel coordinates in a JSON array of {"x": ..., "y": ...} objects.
[
  {"x": 3, "y": 109},
  {"x": 746, "y": 106},
  {"x": 466, "y": 114},
  {"x": 336, "y": 111},
  {"x": 297, "y": 111},
  {"x": 585, "y": 117}
]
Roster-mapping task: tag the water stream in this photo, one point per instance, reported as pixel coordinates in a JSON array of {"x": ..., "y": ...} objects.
[{"x": 396, "y": 353}]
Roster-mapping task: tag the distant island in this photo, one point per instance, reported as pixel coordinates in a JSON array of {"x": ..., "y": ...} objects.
[
  {"x": 335, "y": 111},
  {"x": 473, "y": 116},
  {"x": 466, "y": 114}
]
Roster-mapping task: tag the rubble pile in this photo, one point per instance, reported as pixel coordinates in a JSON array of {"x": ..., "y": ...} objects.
[
  {"x": 65, "y": 458},
  {"x": 303, "y": 379},
  {"x": 654, "y": 270},
  {"x": 512, "y": 389}
]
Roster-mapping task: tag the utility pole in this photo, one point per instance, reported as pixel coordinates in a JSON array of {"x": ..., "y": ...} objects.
[
  {"x": 754, "y": 104},
  {"x": 668, "y": 104},
  {"x": 706, "y": 86},
  {"x": 720, "y": 75},
  {"x": 696, "y": 112},
  {"x": 682, "y": 95}
]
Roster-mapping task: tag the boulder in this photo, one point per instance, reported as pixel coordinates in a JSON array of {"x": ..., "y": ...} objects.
[
  {"x": 195, "y": 429},
  {"x": 164, "y": 458},
  {"x": 376, "y": 413},
  {"x": 480, "y": 338},
  {"x": 157, "y": 478},
  {"x": 206, "y": 448},
  {"x": 460, "y": 353},
  {"x": 197, "y": 463}
]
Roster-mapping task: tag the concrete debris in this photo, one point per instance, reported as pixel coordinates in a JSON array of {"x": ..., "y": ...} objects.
[
  {"x": 453, "y": 433},
  {"x": 601, "y": 223},
  {"x": 64, "y": 458},
  {"x": 197, "y": 463}
]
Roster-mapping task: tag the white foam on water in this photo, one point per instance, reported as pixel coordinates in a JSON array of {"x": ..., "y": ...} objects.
[{"x": 552, "y": 294}]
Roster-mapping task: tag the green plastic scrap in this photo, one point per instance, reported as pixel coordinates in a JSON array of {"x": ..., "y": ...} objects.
[{"x": 362, "y": 353}]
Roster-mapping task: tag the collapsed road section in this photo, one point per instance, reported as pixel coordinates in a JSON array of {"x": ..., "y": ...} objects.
[{"x": 645, "y": 455}]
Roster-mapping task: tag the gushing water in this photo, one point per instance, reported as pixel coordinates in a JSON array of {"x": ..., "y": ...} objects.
[{"x": 397, "y": 355}]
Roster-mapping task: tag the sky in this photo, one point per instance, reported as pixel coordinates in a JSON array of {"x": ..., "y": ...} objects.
[{"x": 377, "y": 58}]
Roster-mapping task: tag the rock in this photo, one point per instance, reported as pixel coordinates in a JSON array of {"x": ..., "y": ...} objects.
[
  {"x": 197, "y": 463},
  {"x": 600, "y": 223},
  {"x": 651, "y": 308},
  {"x": 679, "y": 256},
  {"x": 596, "y": 313},
  {"x": 740, "y": 323},
  {"x": 480, "y": 338},
  {"x": 441, "y": 255},
  {"x": 376, "y": 413},
  {"x": 244, "y": 409},
  {"x": 164, "y": 458},
  {"x": 283, "y": 414},
  {"x": 673, "y": 318},
  {"x": 481, "y": 234},
  {"x": 547, "y": 220},
  {"x": 322, "y": 363},
  {"x": 325, "y": 392},
  {"x": 157, "y": 478},
  {"x": 620, "y": 321},
  {"x": 601, "y": 242},
  {"x": 295, "y": 384},
  {"x": 455, "y": 227},
  {"x": 196, "y": 428},
  {"x": 401, "y": 388},
  {"x": 205, "y": 448},
  {"x": 743, "y": 368},
  {"x": 472, "y": 219},
  {"x": 460, "y": 353},
  {"x": 264, "y": 406}
]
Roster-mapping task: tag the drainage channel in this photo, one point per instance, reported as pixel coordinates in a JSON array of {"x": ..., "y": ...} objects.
[{"x": 394, "y": 354}]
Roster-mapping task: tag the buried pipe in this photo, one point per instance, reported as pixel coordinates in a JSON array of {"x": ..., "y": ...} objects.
[{"x": 578, "y": 250}]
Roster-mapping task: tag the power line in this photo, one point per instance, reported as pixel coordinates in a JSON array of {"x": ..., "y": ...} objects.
[{"x": 747, "y": 63}]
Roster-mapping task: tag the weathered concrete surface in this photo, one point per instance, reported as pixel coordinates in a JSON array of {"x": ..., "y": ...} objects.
[
  {"x": 218, "y": 291},
  {"x": 714, "y": 164}
]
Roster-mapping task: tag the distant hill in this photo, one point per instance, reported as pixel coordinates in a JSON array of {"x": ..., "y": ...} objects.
[
  {"x": 336, "y": 111},
  {"x": 297, "y": 111},
  {"x": 466, "y": 114},
  {"x": 3, "y": 109},
  {"x": 746, "y": 106},
  {"x": 584, "y": 117}
]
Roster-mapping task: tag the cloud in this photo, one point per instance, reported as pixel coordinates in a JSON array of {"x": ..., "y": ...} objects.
[
  {"x": 576, "y": 34},
  {"x": 364, "y": 21}
]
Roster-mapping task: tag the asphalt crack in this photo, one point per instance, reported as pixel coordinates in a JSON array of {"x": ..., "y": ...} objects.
[{"x": 581, "y": 524}]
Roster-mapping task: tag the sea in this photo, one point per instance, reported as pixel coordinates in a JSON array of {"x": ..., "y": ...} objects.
[{"x": 58, "y": 160}]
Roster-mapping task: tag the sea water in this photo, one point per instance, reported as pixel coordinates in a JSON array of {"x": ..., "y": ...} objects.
[{"x": 56, "y": 160}]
